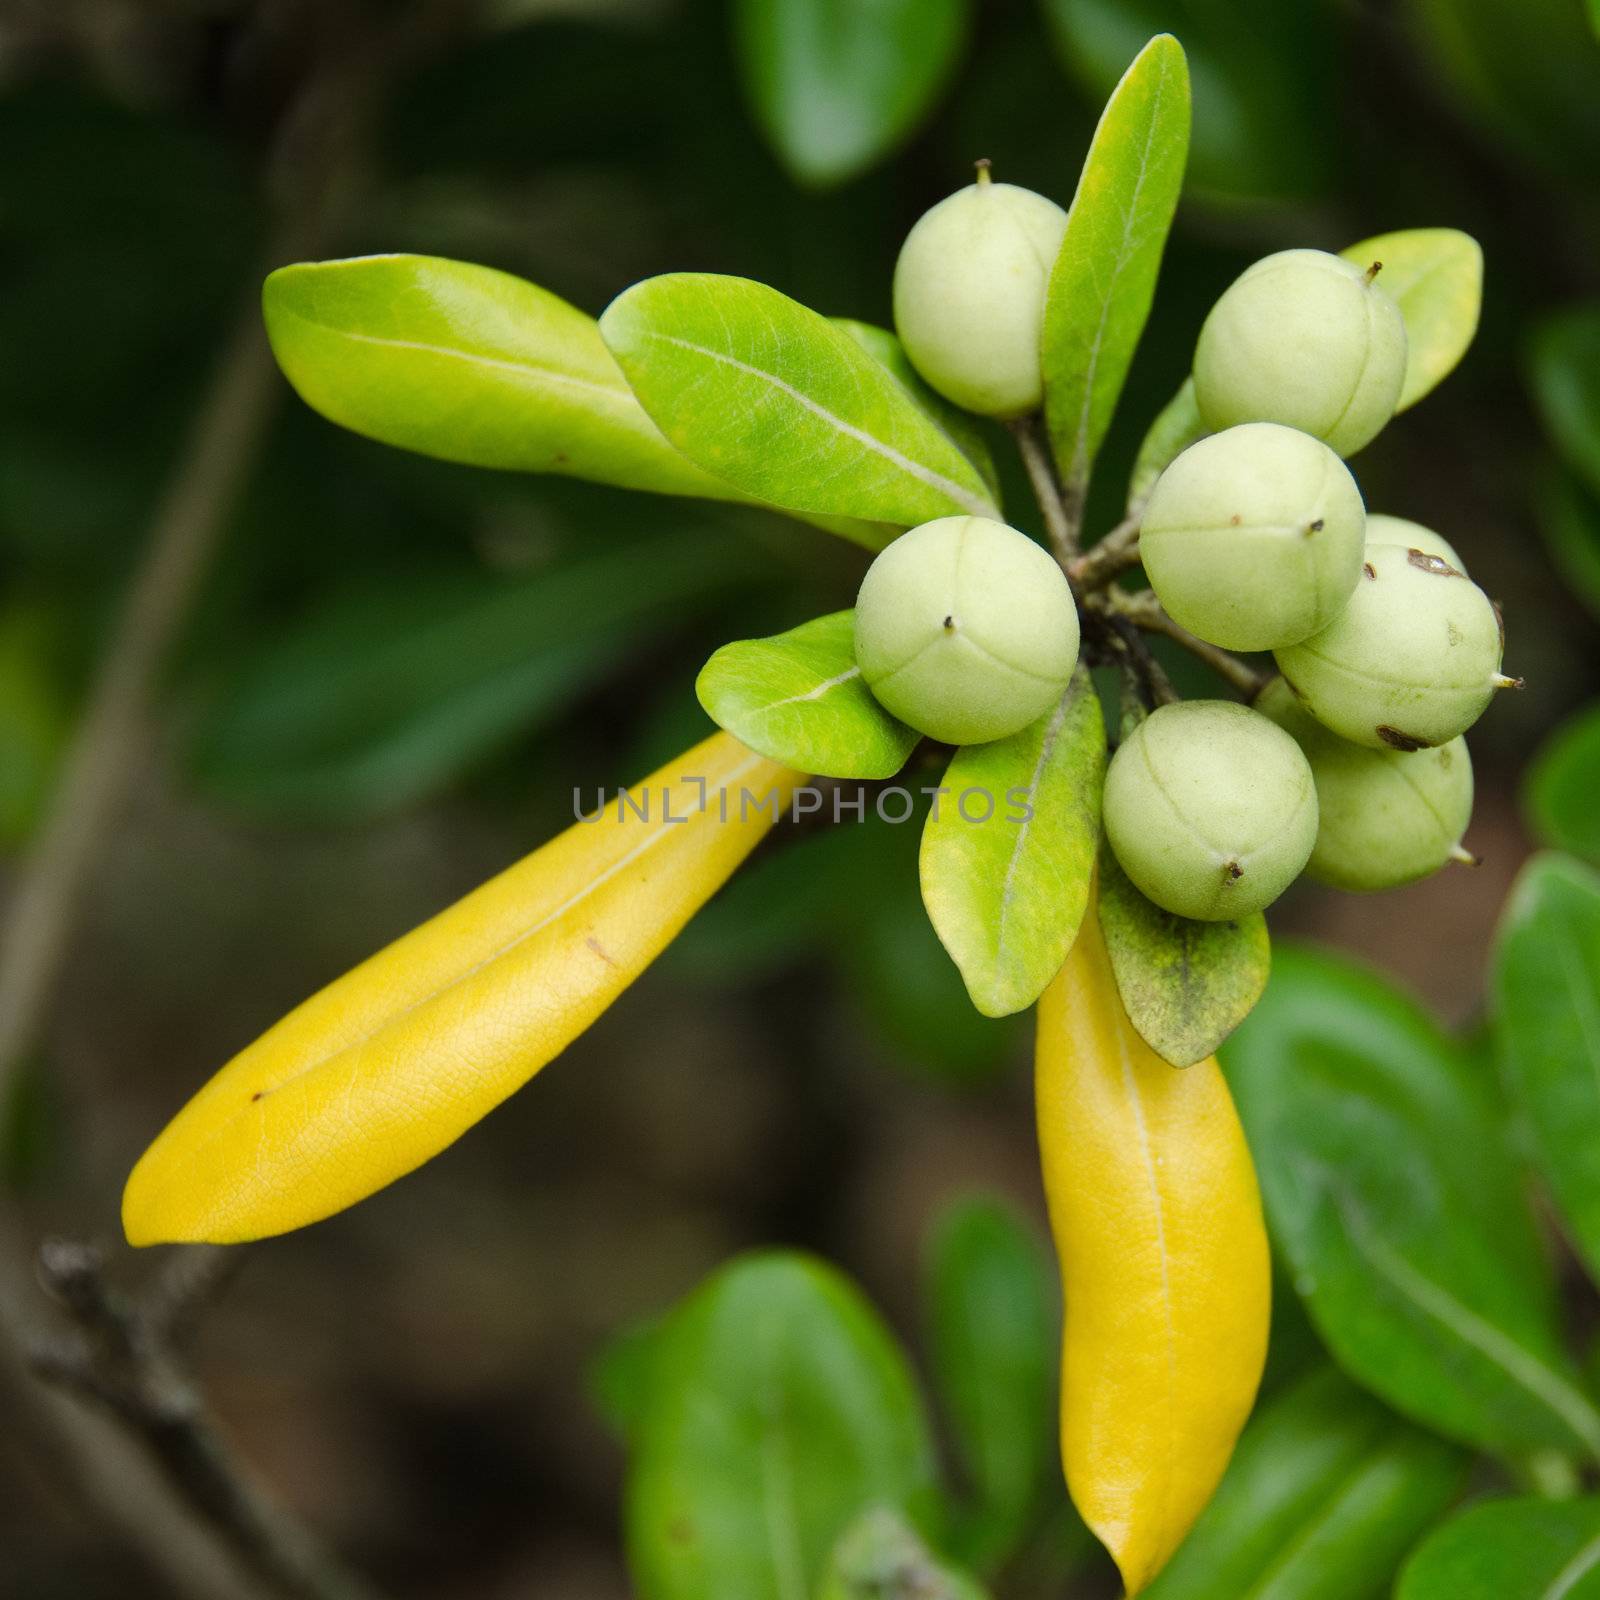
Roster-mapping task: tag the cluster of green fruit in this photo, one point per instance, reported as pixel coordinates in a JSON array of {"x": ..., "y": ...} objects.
[{"x": 1350, "y": 764}]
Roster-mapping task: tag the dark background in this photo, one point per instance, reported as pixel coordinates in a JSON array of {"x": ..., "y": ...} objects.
[{"x": 803, "y": 1067}]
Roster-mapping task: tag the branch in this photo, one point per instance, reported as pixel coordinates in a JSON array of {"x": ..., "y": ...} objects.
[
  {"x": 1115, "y": 553},
  {"x": 1144, "y": 611},
  {"x": 1060, "y": 520},
  {"x": 122, "y": 1355}
]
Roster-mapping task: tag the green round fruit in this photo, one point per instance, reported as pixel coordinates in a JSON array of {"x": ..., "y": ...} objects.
[
  {"x": 1384, "y": 817},
  {"x": 1306, "y": 339},
  {"x": 1252, "y": 538},
  {"x": 1411, "y": 661},
  {"x": 1210, "y": 809},
  {"x": 969, "y": 291},
  {"x": 966, "y": 630},
  {"x": 1384, "y": 529}
]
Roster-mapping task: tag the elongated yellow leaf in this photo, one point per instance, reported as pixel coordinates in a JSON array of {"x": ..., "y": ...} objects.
[
  {"x": 392, "y": 1062},
  {"x": 1164, "y": 1266}
]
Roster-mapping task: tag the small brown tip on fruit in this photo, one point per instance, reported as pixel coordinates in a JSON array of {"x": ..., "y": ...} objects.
[
  {"x": 1232, "y": 871},
  {"x": 1374, "y": 270},
  {"x": 1501, "y": 681},
  {"x": 983, "y": 165},
  {"x": 1465, "y": 857},
  {"x": 1316, "y": 527},
  {"x": 949, "y": 624},
  {"x": 1368, "y": 568}
]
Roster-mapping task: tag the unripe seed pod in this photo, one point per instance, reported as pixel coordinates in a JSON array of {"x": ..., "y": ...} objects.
[
  {"x": 969, "y": 292},
  {"x": 1411, "y": 661},
  {"x": 1252, "y": 538},
  {"x": 1384, "y": 529},
  {"x": 1384, "y": 817},
  {"x": 1210, "y": 809},
  {"x": 966, "y": 630},
  {"x": 1306, "y": 339}
]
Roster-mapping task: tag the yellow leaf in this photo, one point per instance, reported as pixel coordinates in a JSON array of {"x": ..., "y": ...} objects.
[
  {"x": 392, "y": 1062},
  {"x": 1164, "y": 1266}
]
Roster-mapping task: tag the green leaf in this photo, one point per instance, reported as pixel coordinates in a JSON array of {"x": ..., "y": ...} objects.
[
  {"x": 389, "y": 691},
  {"x": 1436, "y": 274},
  {"x": 962, "y": 427},
  {"x": 467, "y": 364},
  {"x": 1326, "y": 1493},
  {"x": 992, "y": 1324},
  {"x": 1526, "y": 70},
  {"x": 776, "y": 400},
  {"x": 1176, "y": 427},
  {"x": 799, "y": 698},
  {"x": 1264, "y": 83},
  {"x": 880, "y": 1557},
  {"x": 1565, "y": 372},
  {"x": 837, "y": 84},
  {"x": 1546, "y": 989},
  {"x": 783, "y": 1408},
  {"x": 1391, "y": 1193},
  {"x": 1527, "y": 1549},
  {"x": 1569, "y": 520},
  {"x": 1008, "y": 852},
  {"x": 621, "y": 1378},
  {"x": 1185, "y": 985},
  {"x": 1104, "y": 277},
  {"x": 1562, "y": 786}
]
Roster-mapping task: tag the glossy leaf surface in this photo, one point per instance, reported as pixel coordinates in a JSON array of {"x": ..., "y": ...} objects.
[
  {"x": 779, "y": 402},
  {"x": 782, "y": 1410},
  {"x": 1525, "y": 1549},
  {"x": 799, "y": 698},
  {"x": 836, "y": 84},
  {"x": 1007, "y": 859},
  {"x": 1562, "y": 786},
  {"x": 1104, "y": 278},
  {"x": 1163, "y": 1253},
  {"x": 992, "y": 1330},
  {"x": 1436, "y": 275},
  {"x": 397, "y": 1059},
  {"x": 469, "y": 364},
  {"x": 1566, "y": 384},
  {"x": 1546, "y": 989},
  {"x": 1327, "y": 1493},
  {"x": 1185, "y": 985},
  {"x": 1394, "y": 1198}
]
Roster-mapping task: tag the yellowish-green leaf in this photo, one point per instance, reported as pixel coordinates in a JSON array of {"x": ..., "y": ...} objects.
[
  {"x": 1177, "y": 426},
  {"x": 468, "y": 364},
  {"x": 962, "y": 427},
  {"x": 397, "y": 1059},
  {"x": 799, "y": 698},
  {"x": 1008, "y": 854},
  {"x": 1185, "y": 985},
  {"x": 774, "y": 399},
  {"x": 1437, "y": 276},
  {"x": 1105, "y": 275}
]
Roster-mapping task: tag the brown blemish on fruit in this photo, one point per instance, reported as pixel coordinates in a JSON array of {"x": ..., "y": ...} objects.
[
  {"x": 1316, "y": 527},
  {"x": 257, "y": 1095},
  {"x": 1374, "y": 270},
  {"x": 1232, "y": 871},
  {"x": 1235, "y": 520},
  {"x": 600, "y": 950},
  {"x": 1370, "y": 570},
  {"x": 1396, "y": 740},
  {"x": 949, "y": 624},
  {"x": 1437, "y": 566},
  {"x": 1500, "y": 623}
]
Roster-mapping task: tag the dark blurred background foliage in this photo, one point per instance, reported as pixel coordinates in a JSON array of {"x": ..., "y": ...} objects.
[{"x": 399, "y": 670}]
